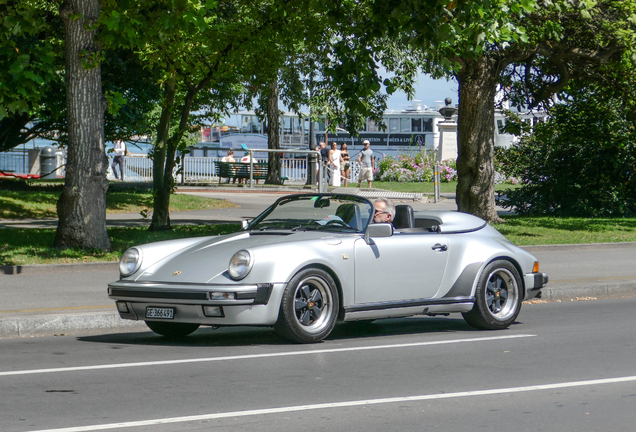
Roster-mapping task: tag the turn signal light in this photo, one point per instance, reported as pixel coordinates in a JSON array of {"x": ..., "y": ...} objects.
[{"x": 535, "y": 269}]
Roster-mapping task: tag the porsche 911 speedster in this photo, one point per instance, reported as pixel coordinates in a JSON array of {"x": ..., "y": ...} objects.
[{"x": 311, "y": 260}]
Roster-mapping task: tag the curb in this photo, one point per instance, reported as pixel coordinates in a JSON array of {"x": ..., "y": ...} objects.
[
  {"x": 600, "y": 290},
  {"x": 39, "y": 269},
  {"x": 63, "y": 324}
]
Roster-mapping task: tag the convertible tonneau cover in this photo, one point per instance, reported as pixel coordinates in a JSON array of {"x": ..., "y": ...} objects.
[{"x": 448, "y": 222}]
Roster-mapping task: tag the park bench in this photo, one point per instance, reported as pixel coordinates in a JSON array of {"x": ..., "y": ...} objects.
[{"x": 241, "y": 170}]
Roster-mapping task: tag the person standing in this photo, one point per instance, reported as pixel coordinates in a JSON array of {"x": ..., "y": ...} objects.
[
  {"x": 334, "y": 164},
  {"x": 346, "y": 165},
  {"x": 324, "y": 154},
  {"x": 367, "y": 164},
  {"x": 119, "y": 150}
]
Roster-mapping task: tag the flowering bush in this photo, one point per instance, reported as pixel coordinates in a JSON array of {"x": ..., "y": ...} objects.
[{"x": 417, "y": 167}]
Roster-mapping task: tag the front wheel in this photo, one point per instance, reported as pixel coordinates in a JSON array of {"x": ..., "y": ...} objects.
[
  {"x": 309, "y": 308},
  {"x": 171, "y": 329},
  {"x": 498, "y": 297}
]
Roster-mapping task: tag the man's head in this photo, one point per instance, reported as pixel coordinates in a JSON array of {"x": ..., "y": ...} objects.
[
  {"x": 366, "y": 144},
  {"x": 384, "y": 211},
  {"x": 322, "y": 144}
]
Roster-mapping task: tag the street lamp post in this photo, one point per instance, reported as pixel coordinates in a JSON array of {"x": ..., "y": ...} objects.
[{"x": 388, "y": 137}]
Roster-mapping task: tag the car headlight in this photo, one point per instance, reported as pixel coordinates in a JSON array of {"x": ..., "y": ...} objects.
[
  {"x": 240, "y": 264},
  {"x": 130, "y": 262}
]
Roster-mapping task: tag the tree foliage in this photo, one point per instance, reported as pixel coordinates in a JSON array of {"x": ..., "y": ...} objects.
[
  {"x": 581, "y": 162},
  {"x": 534, "y": 46}
]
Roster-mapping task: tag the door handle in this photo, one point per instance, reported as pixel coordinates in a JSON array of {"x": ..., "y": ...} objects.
[{"x": 440, "y": 248}]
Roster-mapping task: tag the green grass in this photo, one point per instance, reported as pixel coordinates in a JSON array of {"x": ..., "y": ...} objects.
[
  {"x": 41, "y": 203},
  {"x": 34, "y": 246},
  {"x": 526, "y": 231}
]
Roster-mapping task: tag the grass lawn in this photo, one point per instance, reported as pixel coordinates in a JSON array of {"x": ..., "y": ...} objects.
[
  {"x": 526, "y": 231},
  {"x": 41, "y": 202},
  {"x": 34, "y": 246}
]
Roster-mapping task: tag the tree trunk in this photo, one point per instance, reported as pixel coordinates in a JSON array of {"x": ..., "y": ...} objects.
[
  {"x": 81, "y": 208},
  {"x": 475, "y": 138},
  {"x": 273, "y": 137},
  {"x": 161, "y": 199}
]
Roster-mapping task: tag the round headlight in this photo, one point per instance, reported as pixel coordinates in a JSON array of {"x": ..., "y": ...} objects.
[
  {"x": 130, "y": 262},
  {"x": 240, "y": 264}
]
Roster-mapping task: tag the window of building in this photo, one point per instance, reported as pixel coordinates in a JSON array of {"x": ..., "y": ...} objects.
[
  {"x": 373, "y": 127},
  {"x": 405, "y": 125},
  {"x": 394, "y": 125},
  {"x": 416, "y": 125}
]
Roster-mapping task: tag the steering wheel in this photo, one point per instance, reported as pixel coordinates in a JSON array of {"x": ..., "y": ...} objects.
[{"x": 339, "y": 222}]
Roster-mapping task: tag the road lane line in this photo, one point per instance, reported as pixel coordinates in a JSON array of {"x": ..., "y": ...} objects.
[
  {"x": 257, "y": 412},
  {"x": 256, "y": 356}
]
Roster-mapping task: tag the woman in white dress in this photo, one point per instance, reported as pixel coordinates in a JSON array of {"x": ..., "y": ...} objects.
[{"x": 335, "y": 161}]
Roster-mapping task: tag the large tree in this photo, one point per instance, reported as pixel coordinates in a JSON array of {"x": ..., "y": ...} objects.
[
  {"x": 81, "y": 208},
  {"x": 482, "y": 43}
]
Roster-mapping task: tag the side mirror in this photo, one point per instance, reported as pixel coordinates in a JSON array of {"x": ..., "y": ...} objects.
[{"x": 377, "y": 230}]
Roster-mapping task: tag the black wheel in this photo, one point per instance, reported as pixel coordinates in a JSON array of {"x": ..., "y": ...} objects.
[
  {"x": 309, "y": 307},
  {"x": 171, "y": 329},
  {"x": 498, "y": 297}
]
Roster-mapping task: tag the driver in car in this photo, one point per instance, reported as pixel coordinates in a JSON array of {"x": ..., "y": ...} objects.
[{"x": 384, "y": 211}]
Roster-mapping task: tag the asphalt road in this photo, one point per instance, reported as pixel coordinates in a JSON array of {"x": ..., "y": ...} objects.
[{"x": 562, "y": 367}]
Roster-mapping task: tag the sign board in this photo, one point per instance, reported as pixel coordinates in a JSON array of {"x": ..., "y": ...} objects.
[
  {"x": 398, "y": 139},
  {"x": 252, "y": 141}
]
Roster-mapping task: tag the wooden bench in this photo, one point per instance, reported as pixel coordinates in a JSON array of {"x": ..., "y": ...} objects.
[{"x": 241, "y": 170}]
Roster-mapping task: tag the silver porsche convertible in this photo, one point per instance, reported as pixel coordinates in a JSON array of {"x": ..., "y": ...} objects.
[{"x": 312, "y": 260}]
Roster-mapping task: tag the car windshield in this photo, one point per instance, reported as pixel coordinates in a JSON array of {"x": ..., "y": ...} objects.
[{"x": 324, "y": 212}]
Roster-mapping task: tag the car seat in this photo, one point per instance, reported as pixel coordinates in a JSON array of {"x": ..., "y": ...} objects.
[{"x": 404, "y": 217}]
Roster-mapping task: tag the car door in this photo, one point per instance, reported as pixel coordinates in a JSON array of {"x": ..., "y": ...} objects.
[{"x": 400, "y": 267}]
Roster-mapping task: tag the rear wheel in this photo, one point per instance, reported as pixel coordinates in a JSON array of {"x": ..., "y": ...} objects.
[
  {"x": 309, "y": 308},
  {"x": 498, "y": 297},
  {"x": 171, "y": 329}
]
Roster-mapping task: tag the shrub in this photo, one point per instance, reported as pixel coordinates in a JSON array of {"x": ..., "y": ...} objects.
[{"x": 579, "y": 163}]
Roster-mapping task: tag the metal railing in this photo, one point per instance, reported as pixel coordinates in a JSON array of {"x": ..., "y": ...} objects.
[{"x": 138, "y": 167}]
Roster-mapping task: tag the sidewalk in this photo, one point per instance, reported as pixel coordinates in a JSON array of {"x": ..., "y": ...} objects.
[{"x": 75, "y": 301}]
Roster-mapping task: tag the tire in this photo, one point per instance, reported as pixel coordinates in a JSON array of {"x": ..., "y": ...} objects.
[
  {"x": 309, "y": 308},
  {"x": 498, "y": 297},
  {"x": 171, "y": 329}
]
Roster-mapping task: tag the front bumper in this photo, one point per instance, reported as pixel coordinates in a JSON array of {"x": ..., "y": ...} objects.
[
  {"x": 252, "y": 304},
  {"x": 534, "y": 282}
]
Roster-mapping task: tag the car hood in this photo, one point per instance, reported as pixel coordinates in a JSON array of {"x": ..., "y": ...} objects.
[{"x": 209, "y": 259}]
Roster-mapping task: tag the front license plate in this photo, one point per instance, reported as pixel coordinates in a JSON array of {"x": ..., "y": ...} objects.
[{"x": 164, "y": 313}]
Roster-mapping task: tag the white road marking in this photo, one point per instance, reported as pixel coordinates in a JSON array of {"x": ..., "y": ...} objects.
[
  {"x": 256, "y": 356},
  {"x": 297, "y": 408}
]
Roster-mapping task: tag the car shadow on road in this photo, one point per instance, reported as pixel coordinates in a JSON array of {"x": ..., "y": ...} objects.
[{"x": 246, "y": 336}]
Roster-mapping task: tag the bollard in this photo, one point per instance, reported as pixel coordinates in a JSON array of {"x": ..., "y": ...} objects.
[
  {"x": 48, "y": 163},
  {"x": 436, "y": 180}
]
